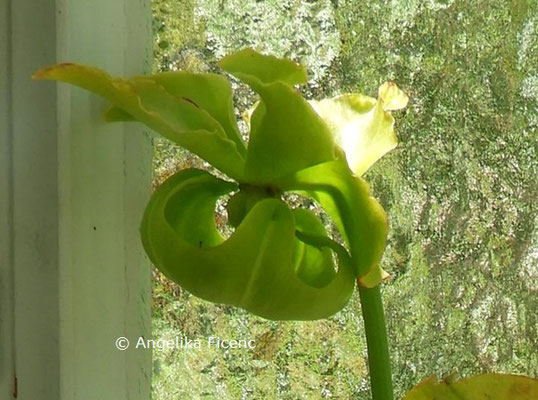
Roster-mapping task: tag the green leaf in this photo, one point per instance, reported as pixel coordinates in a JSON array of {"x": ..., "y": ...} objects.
[
  {"x": 253, "y": 269},
  {"x": 361, "y": 125},
  {"x": 176, "y": 118},
  {"x": 286, "y": 133},
  {"x": 478, "y": 387},
  {"x": 359, "y": 217}
]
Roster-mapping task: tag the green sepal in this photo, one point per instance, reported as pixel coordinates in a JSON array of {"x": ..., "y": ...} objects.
[
  {"x": 116, "y": 114},
  {"x": 253, "y": 269},
  {"x": 266, "y": 69},
  {"x": 210, "y": 92},
  {"x": 286, "y": 134},
  {"x": 177, "y": 118}
]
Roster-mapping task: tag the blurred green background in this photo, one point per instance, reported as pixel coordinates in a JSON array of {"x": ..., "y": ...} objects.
[{"x": 460, "y": 192}]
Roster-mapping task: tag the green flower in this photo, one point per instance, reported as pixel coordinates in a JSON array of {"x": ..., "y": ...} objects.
[{"x": 280, "y": 262}]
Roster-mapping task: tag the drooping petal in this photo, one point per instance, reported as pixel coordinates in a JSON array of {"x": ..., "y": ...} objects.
[
  {"x": 313, "y": 264},
  {"x": 359, "y": 217},
  {"x": 361, "y": 125}
]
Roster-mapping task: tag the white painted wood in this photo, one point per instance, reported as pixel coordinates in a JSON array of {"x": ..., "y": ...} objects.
[
  {"x": 74, "y": 189},
  {"x": 6, "y": 265}
]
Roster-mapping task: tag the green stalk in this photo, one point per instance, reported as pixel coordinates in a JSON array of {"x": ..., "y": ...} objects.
[{"x": 376, "y": 340}]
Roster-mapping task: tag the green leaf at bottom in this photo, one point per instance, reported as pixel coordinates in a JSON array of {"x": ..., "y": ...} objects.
[{"x": 478, "y": 387}]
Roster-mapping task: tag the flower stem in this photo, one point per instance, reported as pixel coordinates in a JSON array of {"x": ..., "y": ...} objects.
[{"x": 376, "y": 340}]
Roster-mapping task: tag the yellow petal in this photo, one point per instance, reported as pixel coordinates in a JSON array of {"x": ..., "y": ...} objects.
[{"x": 393, "y": 97}]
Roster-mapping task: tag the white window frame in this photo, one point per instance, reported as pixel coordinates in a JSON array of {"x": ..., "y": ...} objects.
[{"x": 73, "y": 274}]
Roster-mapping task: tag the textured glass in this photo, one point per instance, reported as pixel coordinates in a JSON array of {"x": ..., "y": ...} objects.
[{"x": 460, "y": 191}]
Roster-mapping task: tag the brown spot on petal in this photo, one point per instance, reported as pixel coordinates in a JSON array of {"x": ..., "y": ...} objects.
[{"x": 190, "y": 101}]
